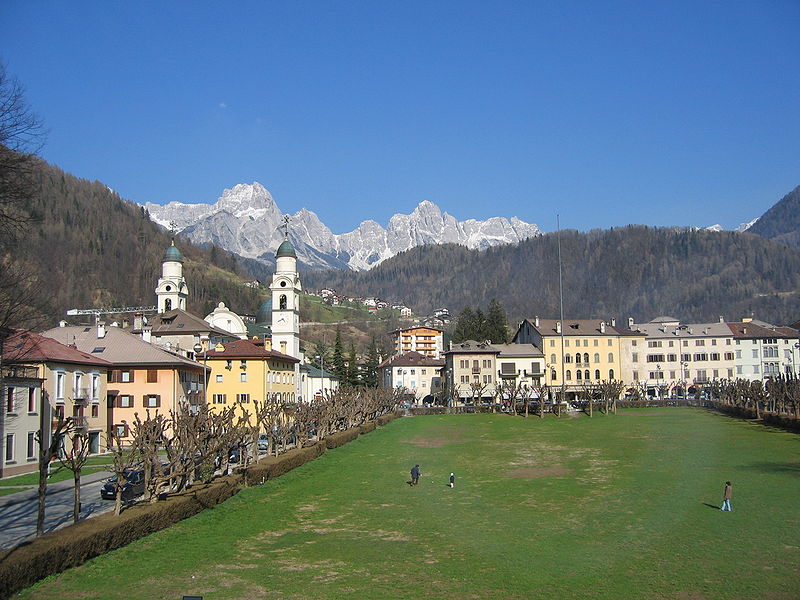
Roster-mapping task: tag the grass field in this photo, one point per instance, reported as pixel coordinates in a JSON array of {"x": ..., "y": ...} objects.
[{"x": 606, "y": 508}]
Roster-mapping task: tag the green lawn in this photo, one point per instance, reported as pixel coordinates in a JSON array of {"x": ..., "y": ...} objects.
[{"x": 602, "y": 508}]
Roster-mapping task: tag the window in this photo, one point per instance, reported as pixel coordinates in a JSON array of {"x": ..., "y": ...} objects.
[
  {"x": 553, "y": 359},
  {"x": 9, "y": 447},
  {"x": 730, "y": 373},
  {"x": 413, "y": 371},
  {"x": 597, "y": 374},
  {"x": 243, "y": 377},
  {"x": 152, "y": 401},
  {"x": 475, "y": 364},
  {"x": 568, "y": 358},
  {"x": 634, "y": 358},
  {"x": 654, "y": 344},
  {"x": 152, "y": 375},
  {"x": 633, "y": 342},
  {"x": 755, "y": 352},
  {"x": 686, "y": 357},
  {"x": 738, "y": 369},
  {"x": 610, "y": 357},
  {"x": 508, "y": 369},
  {"x": 657, "y": 358},
  {"x": 596, "y": 358},
  {"x": 586, "y": 374},
  {"x": 568, "y": 375},
  {"x": 685, "y": 342},
  {"x": 535, "y": 367},
  {"x": 61, "y": 379},
  {"x": 95, "y": 411},
  {"x": 755, "y": 369},
  {"x": 596, "y": 342},
  {"x": 738, "y": 353},
  {"x": 464, "y": 364},
  {"x": 578, "y": 374},
  {"x": 578, "y": 358},
  {"x": 218, "y": 398},
  {"x": 714, "y": 356},
  {"x": 553, "y": 375},
  {"x": 671, "y": 358},
  {"x": 31, "y": 444},
  {"x": 219, "y": 378},
  {"x": 716, "y": 373},
  {"x": 585, "y": 343},
  {"x": 9, "y": 399},
  {"x": 552, "y": 343},
  {"x": 487, "y": 379},
  {"x": 487, "y": 364},
  {"x": 566, "y": 343},
  {"x": 701, "y": 356},
  {"x": 125, "y": 402},
  {"x": 672, "y": 374},
  {"x": 423, "y": 371},
  {"x": 610, "y": 342},
  {"x": 671, "y": 343},
  {"x": 465, "y": 379},
  {"x": 31, "y": 400},
  {"x": 611, "y": 374},
  {"x": 243, "y": 398},
  {"x": 121, "y": 431},
  {"x": 699, "y": 342}
]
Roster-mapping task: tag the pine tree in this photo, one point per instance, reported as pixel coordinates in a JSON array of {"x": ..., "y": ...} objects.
[
  {"x": 371, "y": 366},
  {"x": 497, "y": 323},
  {"x": 464, "y": 325},
  {"x": 337, "y": 359}
]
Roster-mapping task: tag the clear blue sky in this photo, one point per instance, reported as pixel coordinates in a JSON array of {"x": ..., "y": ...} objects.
[{"x": 609, "y": 113}]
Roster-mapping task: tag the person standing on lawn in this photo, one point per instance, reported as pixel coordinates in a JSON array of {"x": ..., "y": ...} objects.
[
  {"x": 415, "y": 475},
  {"x": 726, "y": 497},
  {"x": 452, "y": 480}
]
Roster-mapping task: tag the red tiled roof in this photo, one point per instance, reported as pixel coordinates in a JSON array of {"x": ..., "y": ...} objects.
[{"x": 27, "y": 346}]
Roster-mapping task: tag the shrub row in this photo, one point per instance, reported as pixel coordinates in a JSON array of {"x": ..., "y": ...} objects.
[
  {"x": 783, "y": 421},
  {"x": 71, "y": 546}
]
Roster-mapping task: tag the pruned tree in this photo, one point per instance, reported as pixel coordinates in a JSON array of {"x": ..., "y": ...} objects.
[
  {"x": 124, "y": 459},
  {"x": 49, "y": 449},
  {"x": 74, "y": 458}
]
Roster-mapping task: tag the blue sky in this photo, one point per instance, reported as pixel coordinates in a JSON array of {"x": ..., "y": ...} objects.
[{"x": 607, "y": 113}]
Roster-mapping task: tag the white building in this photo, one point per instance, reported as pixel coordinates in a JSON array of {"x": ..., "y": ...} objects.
[{"x": 763, "y": 350}]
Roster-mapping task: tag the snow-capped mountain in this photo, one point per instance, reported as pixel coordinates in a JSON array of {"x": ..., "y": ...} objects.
[
  {"x": 246, "y": 220},
  {"x": 741, "y": 228}
]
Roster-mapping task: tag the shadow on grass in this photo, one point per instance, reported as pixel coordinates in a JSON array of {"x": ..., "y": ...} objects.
[
  {"x": 714, "y": 506},
  {"x": 775, "y": 467}
]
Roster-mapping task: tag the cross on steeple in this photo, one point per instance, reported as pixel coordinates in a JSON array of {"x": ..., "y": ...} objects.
[{"x": 285, "y": 227}]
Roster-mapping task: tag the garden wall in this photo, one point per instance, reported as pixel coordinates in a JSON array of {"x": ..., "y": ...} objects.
[{"x": 71, "y": 546}]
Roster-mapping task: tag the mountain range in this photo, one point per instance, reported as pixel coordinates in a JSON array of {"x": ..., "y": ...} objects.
[{"x": 246, "y": 220}]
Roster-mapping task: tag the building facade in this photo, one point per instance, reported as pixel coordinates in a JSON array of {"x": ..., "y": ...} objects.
[
  {"x": 470, "y": 370},
  {"x": 428, "y": 341},
  {"x": 413, "y": 373}
]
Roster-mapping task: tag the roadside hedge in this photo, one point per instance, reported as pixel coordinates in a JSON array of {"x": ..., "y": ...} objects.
[{"x": 71, "y": 546}]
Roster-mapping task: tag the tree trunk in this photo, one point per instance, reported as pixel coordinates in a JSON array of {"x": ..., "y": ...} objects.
[
  {"x": 43, "y": 467},
  {"x": 118, "y": 500},
  {"x": 76, "y": 503}
]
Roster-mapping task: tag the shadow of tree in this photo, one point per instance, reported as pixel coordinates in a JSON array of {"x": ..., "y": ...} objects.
[{"x": 775, "y": 467}]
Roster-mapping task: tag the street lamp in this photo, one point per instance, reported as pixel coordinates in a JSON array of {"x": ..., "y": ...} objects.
[
  {"x": 198, "y": 348},
  {"x": 321, "y": 359}
]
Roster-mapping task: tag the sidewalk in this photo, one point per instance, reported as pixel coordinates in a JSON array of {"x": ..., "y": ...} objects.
[{"x": 32, "y": 493}]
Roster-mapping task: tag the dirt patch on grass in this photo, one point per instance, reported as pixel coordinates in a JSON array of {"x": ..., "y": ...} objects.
[
  {"x": 690, "y": 596},
  {"x": 536, "y": 473},
  {"x": 430, "y": 442}
]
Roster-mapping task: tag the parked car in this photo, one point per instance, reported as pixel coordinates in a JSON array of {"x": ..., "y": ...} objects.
[
  {"x": 263, "y": 442},
  {"x": 133, "y": 486}
]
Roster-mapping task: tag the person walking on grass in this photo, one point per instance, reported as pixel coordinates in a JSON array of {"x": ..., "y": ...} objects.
[
  {"x": 726, "y": 497},
  {"x": 415, "y": 475},
  {"x": 452, "y": 480}
]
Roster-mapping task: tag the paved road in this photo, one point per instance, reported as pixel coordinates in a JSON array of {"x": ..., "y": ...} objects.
[{"x": 18, "y": 511}]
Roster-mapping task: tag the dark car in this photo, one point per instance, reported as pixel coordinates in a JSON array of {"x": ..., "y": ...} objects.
[{"x": 133, "y": 486}]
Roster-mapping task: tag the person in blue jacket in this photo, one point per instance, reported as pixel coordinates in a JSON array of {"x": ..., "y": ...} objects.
[{"x": 415, "y": 475}]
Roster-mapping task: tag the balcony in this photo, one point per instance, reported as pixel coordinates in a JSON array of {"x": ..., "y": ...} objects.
[
  {"x": 476, "y": 370},
  {"x": 81, "y": 394}
]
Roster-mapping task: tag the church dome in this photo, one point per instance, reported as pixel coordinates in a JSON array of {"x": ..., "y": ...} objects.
[
  {"x": 285, "y": 249},
  {"x": 264, "y": 314},
  {"x": 173, "y": 254}
]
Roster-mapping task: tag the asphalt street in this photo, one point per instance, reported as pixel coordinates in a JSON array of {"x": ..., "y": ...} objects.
[{"x": 18, "y": 511}]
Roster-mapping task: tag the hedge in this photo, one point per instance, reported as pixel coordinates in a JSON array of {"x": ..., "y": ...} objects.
[{"x": 71, "y": 546}]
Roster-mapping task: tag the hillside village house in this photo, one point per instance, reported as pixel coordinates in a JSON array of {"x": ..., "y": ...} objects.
[
  {"x": 316, "y": 383},
  {"x": 762, "y": 350},
  {"x": 142, "y": 378},
  {"x": 425, "y": 340},
  {"x": 43, "y": 378},
  {"x": 414, "y": 373},
  {"x": 583, "y": 352},
  {"x": 248, "y": 370}
]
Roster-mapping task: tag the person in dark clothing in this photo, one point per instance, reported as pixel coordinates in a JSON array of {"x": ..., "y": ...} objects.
[
  {"x": 452, "y": 479},
  {"x": 415, "y": 475},
  {"x": 727, "y": 495}
]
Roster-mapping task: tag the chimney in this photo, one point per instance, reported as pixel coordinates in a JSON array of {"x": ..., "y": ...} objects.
[
  {"x": 613, "y": 322},
  {"x": 721, "y": 319},
  {"x": 602, "y": 326},
  {"x": 62, "y": 323},
  {"x": 536, "y": 321},
  {"x": 283, "y": 347},
  {"x": 267, "y": 344},
  {"x": 138, "y": 320},
  {"x": 630, "y": 322},
  {"x": 558, "y": 327},
  {"x": 101, "y": 329},
  {"x": 147, "y": 334}
]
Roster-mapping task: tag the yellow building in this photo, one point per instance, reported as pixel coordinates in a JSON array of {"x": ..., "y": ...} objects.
[
  {"x": 247, "y": 370},
  {"x": 425, "y": 340},
  {"x": 580, "y": 352}
]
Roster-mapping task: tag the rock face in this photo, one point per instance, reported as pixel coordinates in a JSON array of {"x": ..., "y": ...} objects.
[{"x": 246, "y": 220}]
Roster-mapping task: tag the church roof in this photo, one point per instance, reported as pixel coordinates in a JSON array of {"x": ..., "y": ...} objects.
[
  {"x": 173, "y": 254},
  {"x": 286, "y": 249}
]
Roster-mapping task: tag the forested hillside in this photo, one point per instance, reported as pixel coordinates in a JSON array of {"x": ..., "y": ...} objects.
[
  {"x": 95, "y": 249},
  {"x": 782, "y": 221},
  {"x": 629, "y": 271}
]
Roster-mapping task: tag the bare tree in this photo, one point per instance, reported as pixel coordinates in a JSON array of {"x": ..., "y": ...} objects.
[
  {"x": 124, "y": 460},
  {"x": 49, "y": 449},
  {"x": 74, "y": 459}
]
